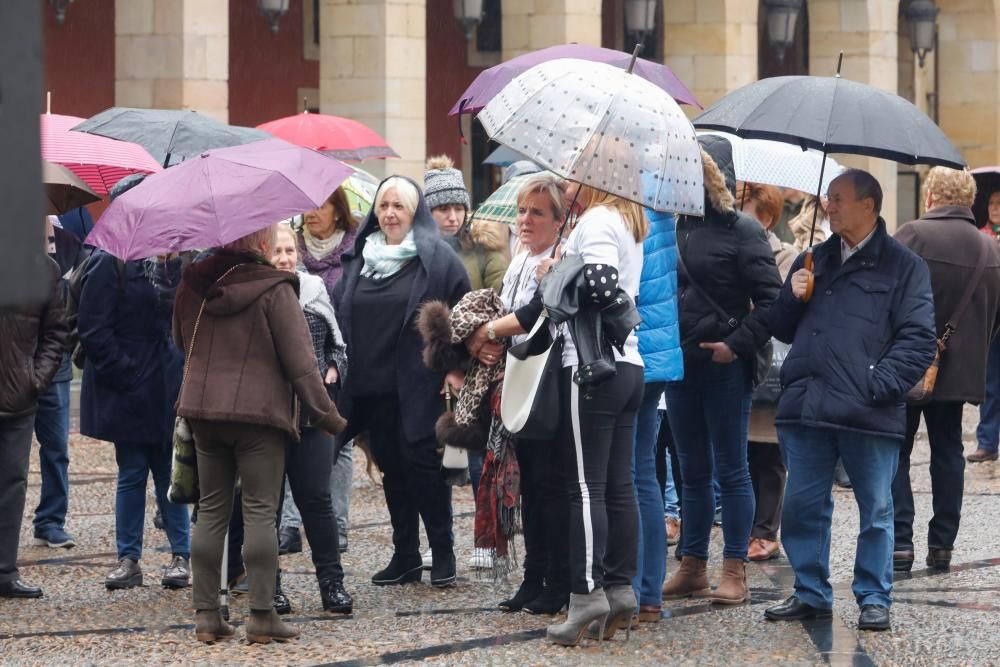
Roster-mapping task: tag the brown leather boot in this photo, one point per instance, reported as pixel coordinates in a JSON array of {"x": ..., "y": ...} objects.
[
  {"x": 265, "y": 626},
  {"x": 209, "y": 626},
  {"x": 732, "y": 589},
  {"x": 689, "y": 581}
]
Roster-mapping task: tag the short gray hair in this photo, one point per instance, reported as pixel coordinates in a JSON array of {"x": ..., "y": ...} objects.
[
  {"x": 547, "y": 183},
  {"x": 406, "y": 190},
  {"x": 865, "y": 186}
]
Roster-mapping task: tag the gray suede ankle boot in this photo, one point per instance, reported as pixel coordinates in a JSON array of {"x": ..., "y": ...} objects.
[{"x": 583, "y": 610}]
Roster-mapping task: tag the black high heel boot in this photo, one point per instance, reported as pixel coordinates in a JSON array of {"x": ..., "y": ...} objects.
[
  {"x": 528, "y": 591},
  {"x": 552, "y": 601}
]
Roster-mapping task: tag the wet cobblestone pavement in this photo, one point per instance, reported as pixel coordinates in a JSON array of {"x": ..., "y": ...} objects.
[{"x": 946, "y": 618}]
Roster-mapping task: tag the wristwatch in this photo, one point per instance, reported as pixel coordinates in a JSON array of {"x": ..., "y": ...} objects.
[{"x": 490, "y": 332}]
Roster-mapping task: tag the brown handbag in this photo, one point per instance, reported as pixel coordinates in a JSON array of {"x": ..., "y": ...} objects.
[{"x": 923, "y": 391}]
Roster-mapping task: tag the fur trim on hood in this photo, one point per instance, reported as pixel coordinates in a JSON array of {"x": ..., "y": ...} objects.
[
  {"x": 434, "y": 325},
  {"x": 488, "y": 235},
  {"x": 719, "y": 173}
]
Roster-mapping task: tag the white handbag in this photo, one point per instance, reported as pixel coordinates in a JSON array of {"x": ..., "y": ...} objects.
[{"x": 529, "y": 403}]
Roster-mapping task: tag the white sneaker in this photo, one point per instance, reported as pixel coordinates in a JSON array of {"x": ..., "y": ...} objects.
[
  {"x": 481, "y": 560},
  {"x": 428, "y": 559}
]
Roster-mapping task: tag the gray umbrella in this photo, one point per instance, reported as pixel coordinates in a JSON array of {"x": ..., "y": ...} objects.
[
  {"x": 833, "y": 115},
  {"x": 170, "y": 135}
]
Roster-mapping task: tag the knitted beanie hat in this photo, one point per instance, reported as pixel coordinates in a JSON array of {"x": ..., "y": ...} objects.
[{"x": 443, "y": 184}]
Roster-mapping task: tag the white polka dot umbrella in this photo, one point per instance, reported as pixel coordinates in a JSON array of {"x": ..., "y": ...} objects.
[{"x": 604, "y": 127}]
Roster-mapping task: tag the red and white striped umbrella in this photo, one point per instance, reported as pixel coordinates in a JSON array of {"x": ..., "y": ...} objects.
[{"x": 98, "y": 161}]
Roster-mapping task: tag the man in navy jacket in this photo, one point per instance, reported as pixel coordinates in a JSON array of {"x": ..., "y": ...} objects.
[{"x": 862, "y": 340}]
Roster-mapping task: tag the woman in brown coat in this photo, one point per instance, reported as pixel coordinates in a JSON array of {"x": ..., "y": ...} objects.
[{"x": 249, "y": 363}]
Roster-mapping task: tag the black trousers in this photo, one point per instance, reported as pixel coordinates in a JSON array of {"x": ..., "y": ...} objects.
[
  {"x": 597, "y": 440},
  {"x": 944, "y": 431},
  {"x": 412, "y": 480},
  {"x": 768, "y": 474},
  {"x": 308, "y": 464},
  {"x": 15, "y": 448},
  {"x": 544, "y": 513}
]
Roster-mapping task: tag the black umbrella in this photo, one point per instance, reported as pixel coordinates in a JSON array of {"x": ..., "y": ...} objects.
[{"x": 833, "y": 115}]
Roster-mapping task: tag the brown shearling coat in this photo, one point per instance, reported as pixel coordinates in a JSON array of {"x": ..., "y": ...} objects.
[{"x": 253, "y": 358}]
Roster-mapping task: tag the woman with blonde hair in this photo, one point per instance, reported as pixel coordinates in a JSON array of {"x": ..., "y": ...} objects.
[
  {"x": 249, "y": 364},
  {"x": 598, "y": 419}
]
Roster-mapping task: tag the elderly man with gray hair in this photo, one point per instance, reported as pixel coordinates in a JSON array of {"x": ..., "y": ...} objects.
[{"x": 965, "y": 277}]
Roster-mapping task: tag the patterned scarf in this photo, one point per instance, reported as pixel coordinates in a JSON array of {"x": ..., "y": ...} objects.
[
  {"x": 498, "y": 503},
  {"x": 383, "y": 260}
]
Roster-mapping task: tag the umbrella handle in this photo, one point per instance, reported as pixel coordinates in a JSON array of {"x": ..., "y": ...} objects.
[{"x": 807, "y": 264}]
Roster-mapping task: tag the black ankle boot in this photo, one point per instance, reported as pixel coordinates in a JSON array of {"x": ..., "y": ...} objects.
[
  {"x": 282, "y": 605},
  {"x": 529, "y": 590},
  {"x": 443, "y": 568},
  {"x": 552, "y": 600},
  {"x": 335, "y": 598},
  {"x": 401, "y": 570}
]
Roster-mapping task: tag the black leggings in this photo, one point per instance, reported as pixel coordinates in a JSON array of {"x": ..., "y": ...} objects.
[
  {"x": 544, "y": 513},
  {"x": 597, "y": 440}
]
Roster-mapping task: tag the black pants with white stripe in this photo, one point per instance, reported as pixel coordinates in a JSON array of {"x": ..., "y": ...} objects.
[{"x": 597, "y": 442}]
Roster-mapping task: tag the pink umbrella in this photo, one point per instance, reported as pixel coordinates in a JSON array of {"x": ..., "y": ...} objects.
[
  {"x": 216, "y": 198},
  {"x": 342, "y": 138},
  {"x": 98, "y": 161}
]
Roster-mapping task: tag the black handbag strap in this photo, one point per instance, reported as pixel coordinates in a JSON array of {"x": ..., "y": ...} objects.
[
  {"x": 951, "y": 325},
  {"x": 726, "y": 317}
]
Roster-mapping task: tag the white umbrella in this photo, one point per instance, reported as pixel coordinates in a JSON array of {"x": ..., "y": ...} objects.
[
  {"x": 778, "y": 163},
  {"x": 604, "y": 127}
]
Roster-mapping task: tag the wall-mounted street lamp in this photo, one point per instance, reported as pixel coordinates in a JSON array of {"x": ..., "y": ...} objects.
[
  {"x": 468, "y": 13},
  {"x": 60, "y": 7},
  {"x": 781, "y": 18},
  {"x": 273, "y": 10},
  {"x": 640, "y": 18},
  {"x": 922, "y": 15}
]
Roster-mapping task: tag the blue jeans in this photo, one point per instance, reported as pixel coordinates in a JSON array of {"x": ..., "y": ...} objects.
[
  {"x": 52, "y": 431},
  {"x": 651, "y": 566},
  {"x": 871, "y": 461},
  {"x": 988, "y": 431},
  {"x": 671, "y": 505},
  {"x": 136, "y": 460},
  {"x": 709, "y": 412},
  {"x": 476, "y": 460}
]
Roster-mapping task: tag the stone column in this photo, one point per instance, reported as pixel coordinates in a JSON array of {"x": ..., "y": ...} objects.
[
  {"x": 173, "y": 54},
  {"x": 866, "y": 31},
  {"x": 711, "y": 45},
  {"x": 372, "y": 69},
  {"x": 529, "y": 25}
]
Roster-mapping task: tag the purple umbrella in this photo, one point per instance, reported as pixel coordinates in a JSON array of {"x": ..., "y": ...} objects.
[
  {"x": 491, "y": 81},
  {"x": 216, "y": 198}
]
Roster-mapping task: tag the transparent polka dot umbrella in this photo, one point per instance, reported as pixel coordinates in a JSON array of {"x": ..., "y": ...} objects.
[{"x": 604, "y": 127}]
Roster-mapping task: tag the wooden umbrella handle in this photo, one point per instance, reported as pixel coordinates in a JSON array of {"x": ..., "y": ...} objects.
[{"x": 807, "y": 264}]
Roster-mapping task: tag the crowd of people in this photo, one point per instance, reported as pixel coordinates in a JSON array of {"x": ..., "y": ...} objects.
[{"x": 287, "y": 349}]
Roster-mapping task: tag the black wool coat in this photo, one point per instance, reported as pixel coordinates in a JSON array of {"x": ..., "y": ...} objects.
[{"x": 441, "y": 277}]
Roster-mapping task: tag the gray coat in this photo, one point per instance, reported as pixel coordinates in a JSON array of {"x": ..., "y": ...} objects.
[{"x": 947, "y": 239}]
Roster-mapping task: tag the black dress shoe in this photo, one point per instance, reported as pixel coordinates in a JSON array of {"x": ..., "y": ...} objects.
[
  {"x": 939, "y": 559},
  {"x": 443, "y": 569},
  {"x": 552, "y": 601},
  {"x": 873, "y": 617},
  {"x": 528, "y": 591},
  {"x": 282, "y": 605},
  {"x": 794, "y": 609},
  {"x": 19, "y": 589},
  {"x": 335, "y": 598},
  {"x": 902, "y": 561},
  {"x": 127, "y": 574},
  {"x": 289, "y": 541},
  {"x": 400, "y": 570}
]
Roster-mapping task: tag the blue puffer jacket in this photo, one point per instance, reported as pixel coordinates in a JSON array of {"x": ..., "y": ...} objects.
[
  {"x": 659, "y": 334},
  {"x": 862, "y": 341}
]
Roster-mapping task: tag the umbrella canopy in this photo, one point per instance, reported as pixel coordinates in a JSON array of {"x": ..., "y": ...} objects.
[
  {"x": 503, "y": 157},
  {"x": 604, "y": 127},
  {"x": 987, "y": 182},
  {"x": 832, "y": 115},
  {"x": 98, "y": 161},
  {"x": 170, "y": 135},
  {"x": 217, "y": 198},
  {"x": 360, "y": 187},
  {"x": 64, "y": 189},
  {"x": 501, "y": 206},
  {"x": 342, "y": 138},
  {"x": 776, "y": 163},
  {"x": 490, "y": 82}
]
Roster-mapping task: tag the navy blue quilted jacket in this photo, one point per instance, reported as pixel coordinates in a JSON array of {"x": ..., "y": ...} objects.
[{"x": 862, "y": 341}]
